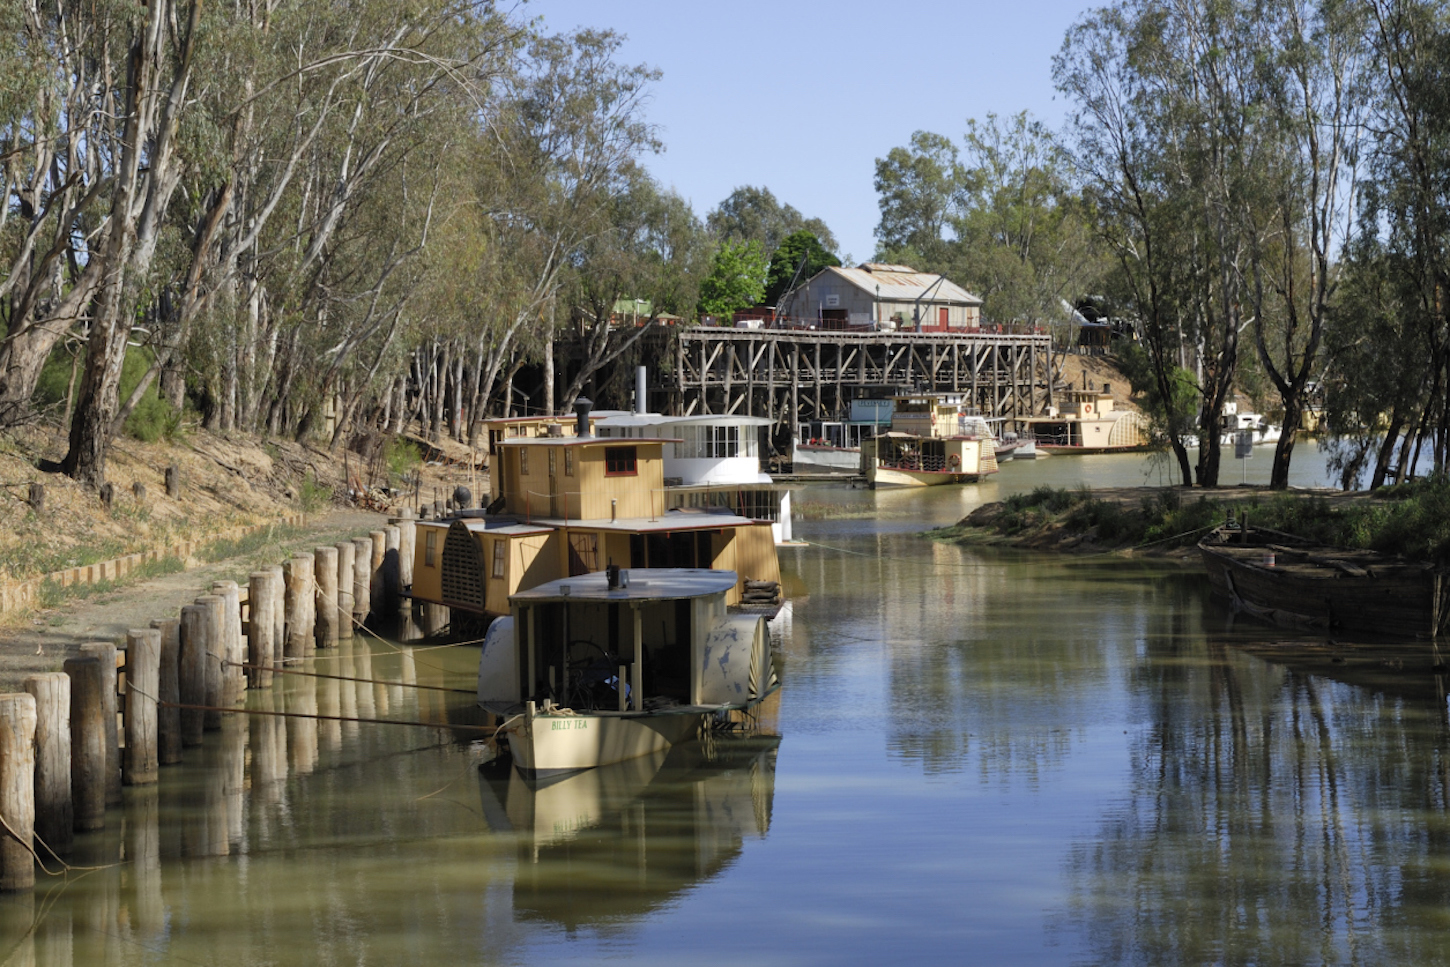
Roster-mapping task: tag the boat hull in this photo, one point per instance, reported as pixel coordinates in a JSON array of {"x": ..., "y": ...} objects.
[
  {"x": 555, "y": 743},
  {"x": 1394, "y": 599},
  {"x": 886, "y": 477}
]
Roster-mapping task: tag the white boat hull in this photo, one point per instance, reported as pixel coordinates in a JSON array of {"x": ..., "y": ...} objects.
[
  {"x": 553, "y": 743},
  {"x": 884, "y": 477}
]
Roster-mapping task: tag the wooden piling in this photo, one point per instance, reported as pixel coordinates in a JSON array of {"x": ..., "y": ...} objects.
[
  {"x": 168, "y": 690},
  {"x": 215, "y": 650},
  {"x": 88, "y": 741},
  {"x": 54, "y": 816},
  {"x": 106, "y": 652},
  {"x": 143, "y": 674},
  {"x": 299, "y": 600},
  {"x": 326, "y": 583},
  {"x": 390, "y": 570},
  {"x": 259, "y": 629},
  {"x": 361, "y": 579},
  {"x": 407, "y": 542},
  {"x": 17, "y": 791},
  {"x": 279, "y": 613},
  {"x": 191, "y": 672},
  {"x": 346, "y": 566},
  {"x": 377, "y": 589},
  {"x": 234, "y": 648}
]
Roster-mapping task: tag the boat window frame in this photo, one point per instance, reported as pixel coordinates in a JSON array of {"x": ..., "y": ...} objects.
[{"x": 615, "y": 457}]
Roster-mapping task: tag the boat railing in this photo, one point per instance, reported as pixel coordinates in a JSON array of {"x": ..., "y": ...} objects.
[{"x": 917, "y": 462}]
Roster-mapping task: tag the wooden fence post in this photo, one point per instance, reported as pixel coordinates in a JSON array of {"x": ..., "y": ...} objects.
[
  {"x": 346, "y": 565},
  {"x": 191, "y": 671},
  {"x": 215, "y": 639},
  {"x": 106, "y": 652},
  {"x": 54, "y": 815},
  {"x": 259, "y": 629},
  {"x": 361, "y": 579},
  {"x": 143, "y": 675},
  {"x": 326, "y": 613},
  {"x": 88, "y": 741},
  {"x": 168, "y": 690},
  {"x": 279, "y": 613},
  {"x": 17, "y": 791},
  {"x": 299, "y": 603},
  {"x": 234, "y": 650}
]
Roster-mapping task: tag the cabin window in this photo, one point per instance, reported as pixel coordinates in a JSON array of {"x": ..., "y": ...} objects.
[
  {"x": 500, "y": 557},
  {"x": 430, "y": 547},
  {"x": 568, "y": 462},
  {"x": 553, "y": 462},
  {"x": 709, "y": 442},
  {"x": 524, "y": 461},
  {"x": 583, "y": 553},
  {"x": 619, "y": 462}
]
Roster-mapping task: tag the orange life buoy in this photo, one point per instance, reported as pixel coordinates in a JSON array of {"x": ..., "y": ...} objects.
[{"x": 955, "y": 460}]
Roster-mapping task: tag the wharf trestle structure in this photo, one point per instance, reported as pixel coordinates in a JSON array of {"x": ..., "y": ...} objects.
[{"x": 794, "y": 377}]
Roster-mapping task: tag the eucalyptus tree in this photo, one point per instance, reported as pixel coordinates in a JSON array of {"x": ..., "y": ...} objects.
[
  {"x": 566, "y": 132},
  {"x": 1170, "y": 142},
  {"x": 1392, "y": 365},
  {"x": 653, "y": 258},
  {"x": 919, "y": 191},
  {"x": 753, "y": 213},
  {"x": 1312, "y": 57}
]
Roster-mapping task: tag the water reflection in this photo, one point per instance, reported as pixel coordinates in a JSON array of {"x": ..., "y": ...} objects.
[
  {"x": 624, "y": 840},
  {"x": 1280, "y": 798}
]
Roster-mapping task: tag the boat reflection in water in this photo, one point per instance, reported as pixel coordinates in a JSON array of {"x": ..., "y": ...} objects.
[{"x": 660, "y": 823}]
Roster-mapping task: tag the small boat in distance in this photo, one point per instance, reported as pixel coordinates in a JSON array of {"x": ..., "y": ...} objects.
[
  {"x": 1288, "y": 581},
  {"x": 604, "y": 667},
  {"x": 934, "y": 439}
]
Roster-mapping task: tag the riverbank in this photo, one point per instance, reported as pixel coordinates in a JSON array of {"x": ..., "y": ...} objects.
[{"x": 1411, "y": 520}]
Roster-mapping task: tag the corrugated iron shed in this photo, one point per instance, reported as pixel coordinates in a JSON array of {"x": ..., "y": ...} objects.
[{"x": 900, "y": 283}]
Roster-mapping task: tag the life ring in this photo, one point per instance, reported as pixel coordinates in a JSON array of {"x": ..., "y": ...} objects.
[{"x": 955, "y": 460}]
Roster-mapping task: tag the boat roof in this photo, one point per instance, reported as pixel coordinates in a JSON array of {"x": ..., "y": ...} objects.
[
  {"x": 584, "y": 441},
  {"x": 681, "y": 519},
  {"x": 659, "y": 419},
  {"x": 645, "y": 584},
  {"x": 505, "y": 527}
]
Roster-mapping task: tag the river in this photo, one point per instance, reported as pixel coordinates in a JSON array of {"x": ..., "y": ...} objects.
[{"x": 979, "y": 757}]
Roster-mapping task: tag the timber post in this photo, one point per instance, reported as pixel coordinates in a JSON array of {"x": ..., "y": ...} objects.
[
  {"x": 54, "y": 814},
  {"x": 88, "y": 742},
  {"x": 143, "y": 673},
  {"x": 17, "y": 791},
  {"x": 106, "y": 652}
]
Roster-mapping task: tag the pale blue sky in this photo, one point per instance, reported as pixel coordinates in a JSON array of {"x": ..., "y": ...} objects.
[{"x": 803, "y": 97}]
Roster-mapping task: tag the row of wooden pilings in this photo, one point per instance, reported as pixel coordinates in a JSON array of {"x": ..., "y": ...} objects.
[{"x": 63, "y": 760}]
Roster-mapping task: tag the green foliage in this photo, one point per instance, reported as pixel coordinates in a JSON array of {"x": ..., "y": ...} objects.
[
  {"x": 754, "y": 214},
  {"x": 313, "y": 496},
  {"x": 736, "y": 279},
  {"x": 797, "y": 246},
  {"x": 1132, "y": 359},
  {"x": 402, "y": 456}
]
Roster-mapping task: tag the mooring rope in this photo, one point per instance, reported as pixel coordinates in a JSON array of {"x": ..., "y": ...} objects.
[
  {"x": 345, "y": 678},
  {"x": 323, "y": 718}
]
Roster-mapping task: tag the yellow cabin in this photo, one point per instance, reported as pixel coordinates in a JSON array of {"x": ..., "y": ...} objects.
[{"x": 572, "y": 505}]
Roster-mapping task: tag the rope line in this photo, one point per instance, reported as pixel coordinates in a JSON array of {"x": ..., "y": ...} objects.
[
  {"x": 346, "y": 678},
  {"x": 325, "y": 718}
]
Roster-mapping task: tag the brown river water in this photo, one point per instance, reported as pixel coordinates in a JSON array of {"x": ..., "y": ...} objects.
[{"x": 978, "y": 757}]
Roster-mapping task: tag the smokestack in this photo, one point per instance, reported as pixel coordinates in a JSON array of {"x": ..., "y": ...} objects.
[
  {"x": 582, "y": 406},
  {"x": 641, "y": 397}
]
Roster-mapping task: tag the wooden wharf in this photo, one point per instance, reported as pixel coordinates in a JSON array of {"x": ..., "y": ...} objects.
[{"x": 795, "y": 376}]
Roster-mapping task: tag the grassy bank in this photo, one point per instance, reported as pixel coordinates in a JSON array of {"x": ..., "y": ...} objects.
[{"x": 1411, "y": 520}]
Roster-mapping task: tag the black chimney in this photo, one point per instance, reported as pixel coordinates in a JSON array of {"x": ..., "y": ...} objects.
[{"x": 582, "y": 406}]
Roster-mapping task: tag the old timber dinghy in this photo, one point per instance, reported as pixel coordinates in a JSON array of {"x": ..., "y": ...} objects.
[{"x": 1292, "y": 582}]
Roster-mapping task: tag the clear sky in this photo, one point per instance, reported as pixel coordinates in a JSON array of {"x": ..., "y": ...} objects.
[{"x": 803, "y": 97}]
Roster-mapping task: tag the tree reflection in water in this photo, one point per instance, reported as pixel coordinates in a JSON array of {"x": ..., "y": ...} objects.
[{"x": 1291, "y": 814}]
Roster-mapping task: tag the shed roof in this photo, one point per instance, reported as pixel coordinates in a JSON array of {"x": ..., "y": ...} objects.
[{"x": 900, "y": 283}]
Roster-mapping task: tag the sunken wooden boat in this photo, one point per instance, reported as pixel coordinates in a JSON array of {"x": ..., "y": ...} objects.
[{"x": 1295, "y": 583}]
